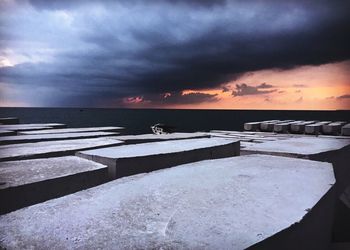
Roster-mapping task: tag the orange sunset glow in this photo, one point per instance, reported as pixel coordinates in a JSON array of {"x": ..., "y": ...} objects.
[{"x": 303, "y": 88}]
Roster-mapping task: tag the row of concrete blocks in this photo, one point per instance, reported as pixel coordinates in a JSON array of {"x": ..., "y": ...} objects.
[
  {"x": 163, "y": 208},
  {"x": 300, "y": 127}
]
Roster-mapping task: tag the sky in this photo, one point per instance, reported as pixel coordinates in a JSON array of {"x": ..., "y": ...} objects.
[{"x": 195, "y": 54}]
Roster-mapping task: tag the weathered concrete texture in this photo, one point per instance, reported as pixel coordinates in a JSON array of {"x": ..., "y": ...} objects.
[
  {"x": 73, "y": 130},
  {"x": 52, "y": 148},
  {"x": 146, "y": 157},
  {"x": 284, "y": 127},
  {"x": 345, "y": 130},
  {"x": 336, "y": 151},
  {"x": 32, "y": 126},
  {"x": 252, "y": 126},
  {"x": 333, "y": 128},
  {"x": 299, "y": 128},
  {"x": 267, "y": 126},
  {"x": 231, "y": 203},
  {"x": 24, "y": 183},
  {"x": 52, "y": 137},
  {"x": 316, "y": 128},
  {"x": 302, "y": 146},
  {"x": 20, "y": 127},
  {"x": 134, "y": 139},
  {"x": 6, "y": 132},
  {"x": 9, "y": 120}
]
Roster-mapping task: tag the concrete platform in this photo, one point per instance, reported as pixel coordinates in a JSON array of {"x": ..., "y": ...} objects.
[
  {"x": 144, "y": 138},
  {"x": 316, "y": 128},
  {"x": 5, "y": 140},
  {"x": 333, "y": 128},
  {"x": 345, "y": 130},
  {"x": 24, "y": 183},
  {"x": 146, "y": 157},
  {"x": 19, "y": 128},
  {"x": 267, "y": 126},
  {"x": 252, "y": 126},
  {"x": 9, "y": 120},
  {"x": 231, "y": 203},
  {"x": 6, "y": 132},
  {"x": 299, "y": 128},
  {"x": 32, "y": 126},
  {"x": 335, "y": 151},
  {"x": 284, "y": 127},
  {"x": 73, "y": 130},
  {"x": 52, "y": 148}
]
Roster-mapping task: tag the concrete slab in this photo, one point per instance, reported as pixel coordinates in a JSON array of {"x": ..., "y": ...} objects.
[
  {"x": 333, "y": 128},
  {"x": 6, "y": 132},
  {"x": 301, "y": 146},
  {"x": 52, "y": 148},
  {"x": 73, "y": 130},
  {"x": 146, "y": 157},
  {"x": 316, "y": 128},
  {"x": 19, "y": 127},
  {"x": 284, "y": 127},
  {"x": 299, "y": 128},
  {"x": 345, "y": 130},
  {"x": 9, "y": 120},
  {"x": 268, "y": 126},
  {"x": 335, "y": 151},
  {"x": 33, "y": 126},
  {"x": 135, "y": 139},
  {"x": 231, "y": 203},
  {"x": 252, "y": 126},
  {"x": 24, "y": 183},
  {"x": 5, "y": 140}
]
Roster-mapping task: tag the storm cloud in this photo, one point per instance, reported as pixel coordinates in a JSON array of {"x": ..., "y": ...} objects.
[
  {"x": 244, "y": 89},
  {"x": 90, "y": 53}
]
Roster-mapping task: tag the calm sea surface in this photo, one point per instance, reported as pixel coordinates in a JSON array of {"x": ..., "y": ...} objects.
[{"x": 138, "y": 121}]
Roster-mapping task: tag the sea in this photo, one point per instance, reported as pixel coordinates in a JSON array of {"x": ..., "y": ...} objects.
[{"x": 138, "y": 121}]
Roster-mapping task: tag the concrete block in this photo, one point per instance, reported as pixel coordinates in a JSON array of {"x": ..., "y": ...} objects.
[
  {"x": 252, "y": 126},
  {"x": 335, "y": 151},
  {"x": 315, "y": 128},
  {"x": 284, "y": 127},
  {"x": 73, "y": 130},
  {"x": 333, "y": 128},
  {"x": 267, "y": 126},
  {"x": 9, "y": 120},
  {"x": 32, "y": 126},
  {"x": 299, "y": 128},
  {"x": 146, "y": 157},
  {"x": 232, "y": 203},
  {"x": 5, "y": 140},
  {"x": 345, "y": 130},
  {"x": 135, "y": 139},
  {"x": 19, "y": 127},
  {"x": 6, "y": 132},
  {"x": 24, "y": 183},
  {"x": 52, "y": 148}
]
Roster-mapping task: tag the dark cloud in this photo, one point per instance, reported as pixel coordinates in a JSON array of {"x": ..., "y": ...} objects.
[
  {"x": 116, "y": 49},
  {"x": 300, "y": 86},
  {"x": 244, "y": 89},
  {"x": 188, "y": 98},
  {"x": 344, "y": 97},
  {"x": 265, "y": 86},
  {"x": 225, "y": 89}
]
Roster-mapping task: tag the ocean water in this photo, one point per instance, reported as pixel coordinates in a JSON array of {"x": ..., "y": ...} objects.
[{"x": 138, "y": 121}]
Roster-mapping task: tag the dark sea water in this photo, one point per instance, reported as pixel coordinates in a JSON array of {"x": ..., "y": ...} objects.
[{"x": 138, "y": 121}]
